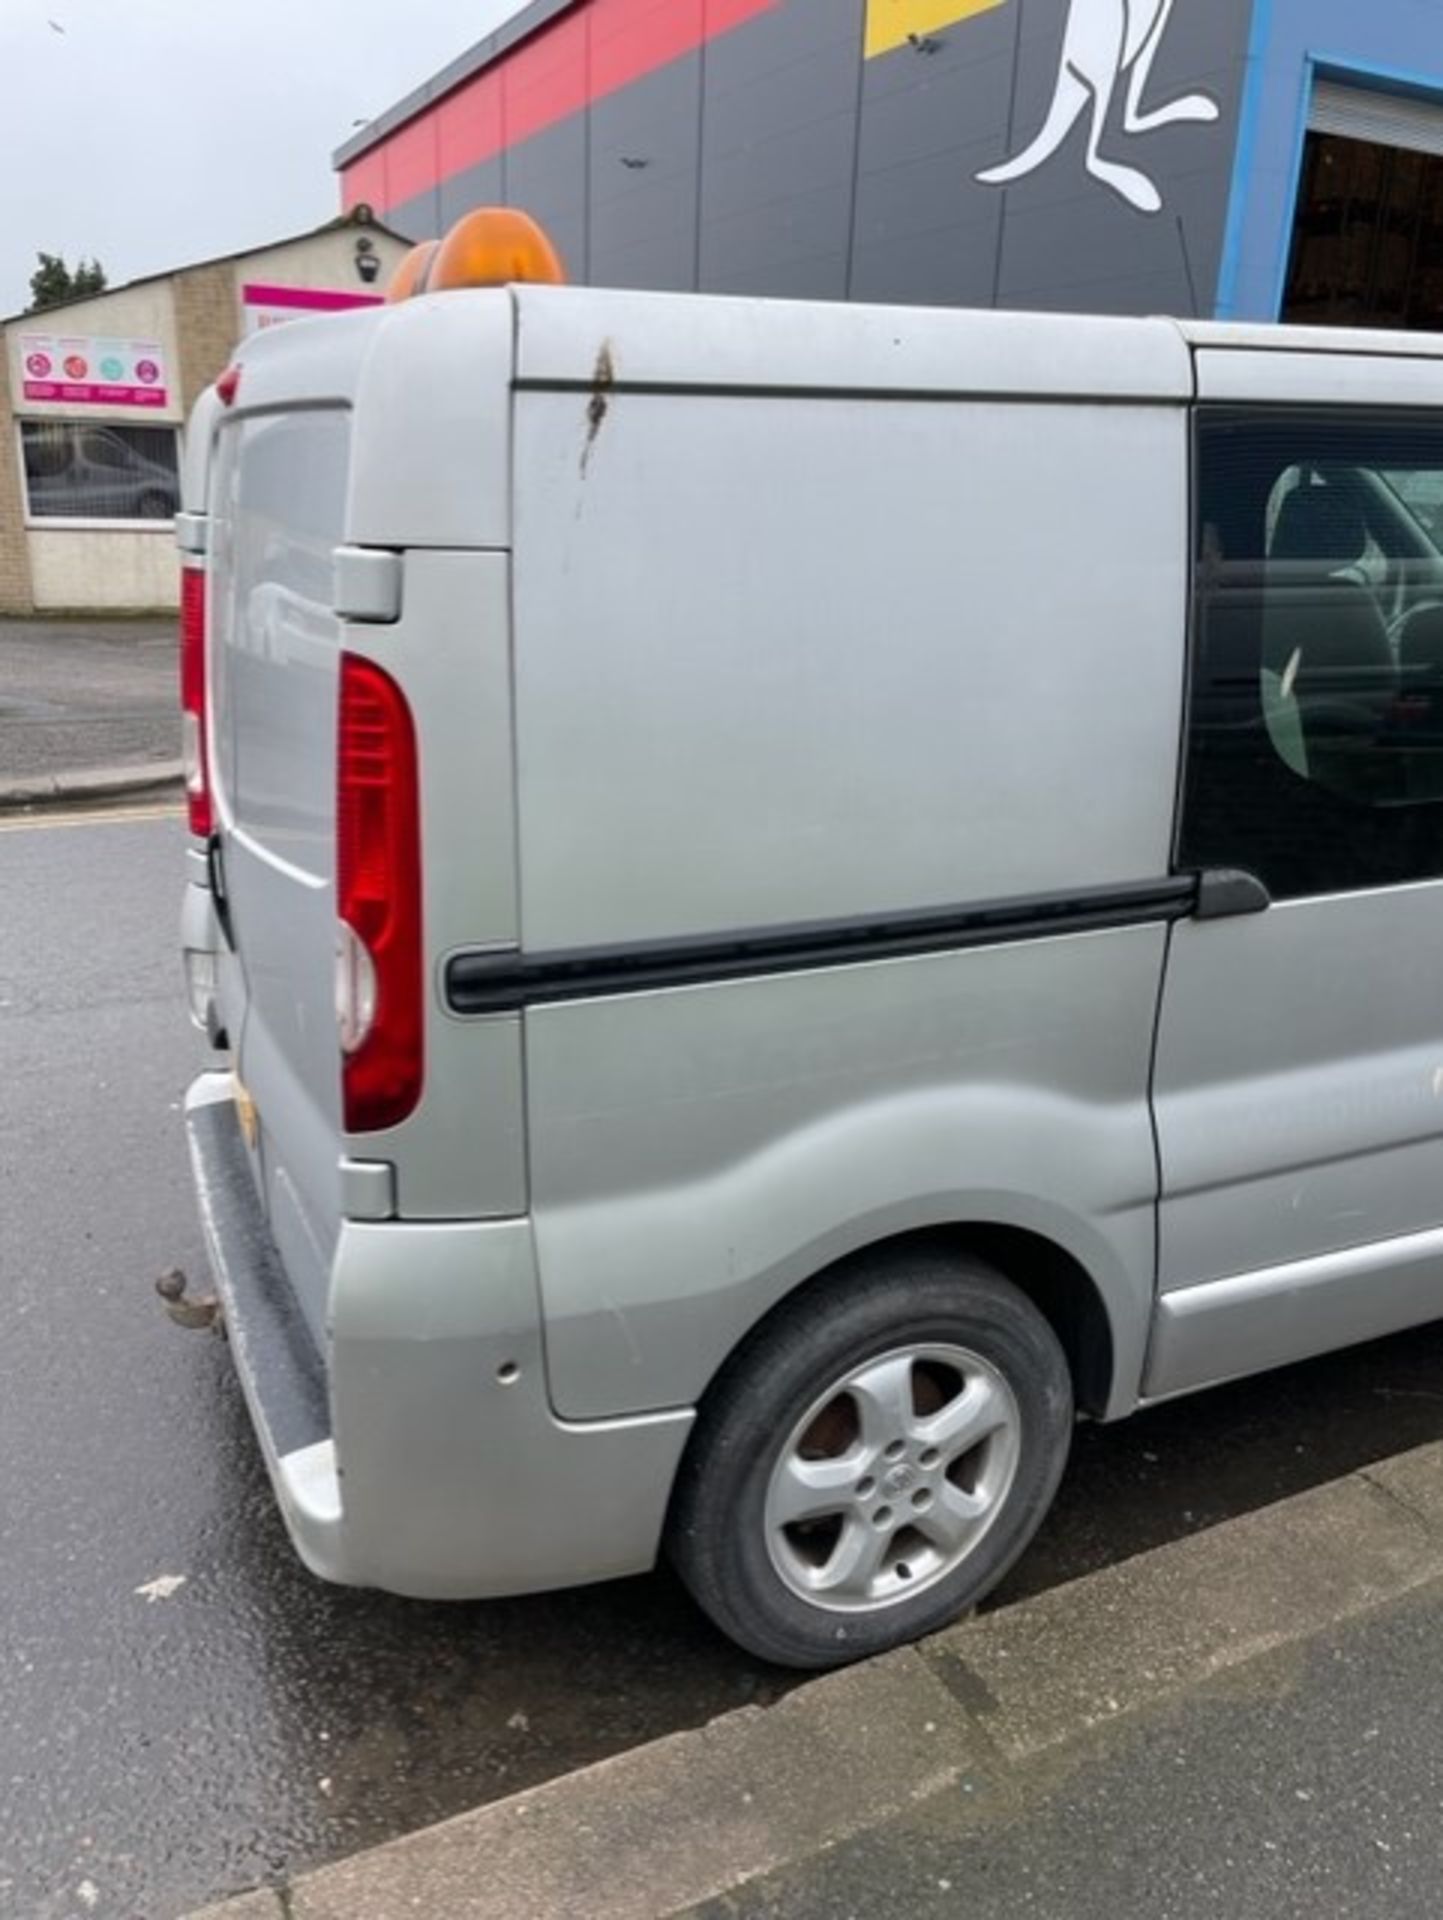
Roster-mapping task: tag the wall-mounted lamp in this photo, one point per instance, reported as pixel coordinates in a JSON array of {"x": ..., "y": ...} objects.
[{"x": 368, "y": 261}]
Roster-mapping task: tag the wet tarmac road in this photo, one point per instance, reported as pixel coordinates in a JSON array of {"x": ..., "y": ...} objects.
[{"x": 159, "y": 1751}]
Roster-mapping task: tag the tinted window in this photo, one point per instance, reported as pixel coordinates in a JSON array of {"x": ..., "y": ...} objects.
[{"x": 1315, "y": 754}]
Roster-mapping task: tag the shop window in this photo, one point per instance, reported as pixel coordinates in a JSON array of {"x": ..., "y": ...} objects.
[{"x": 99, "y": 470}]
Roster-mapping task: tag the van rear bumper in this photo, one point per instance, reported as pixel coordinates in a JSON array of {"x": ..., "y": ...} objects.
[
  {"x": 281, "y": 1373},
  {"x": 421, "y": 1455}
]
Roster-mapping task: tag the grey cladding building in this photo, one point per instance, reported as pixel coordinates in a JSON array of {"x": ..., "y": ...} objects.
[{"x": 1255, "y": 158}]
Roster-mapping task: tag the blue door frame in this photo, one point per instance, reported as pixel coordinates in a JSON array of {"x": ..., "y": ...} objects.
[{"x": 1293, "y": 44}]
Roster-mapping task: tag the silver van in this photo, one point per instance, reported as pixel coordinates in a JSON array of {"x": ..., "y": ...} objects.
[{"x": 791, "y": 898}]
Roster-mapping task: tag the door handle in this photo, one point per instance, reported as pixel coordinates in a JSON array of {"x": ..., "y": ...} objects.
[{"x": 1225, "y": 893}]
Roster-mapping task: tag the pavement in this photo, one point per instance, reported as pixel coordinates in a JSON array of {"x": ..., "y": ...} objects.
[
  {"x": 1246, "y": 1722},
  {"x": 88, "y": 711},
  {"x": 1305, "y": 1783}
]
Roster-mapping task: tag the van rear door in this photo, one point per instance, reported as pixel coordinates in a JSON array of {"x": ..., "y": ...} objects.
[
  {"x": 385, "y": 434},
  {"x": 279, "y": 505}
]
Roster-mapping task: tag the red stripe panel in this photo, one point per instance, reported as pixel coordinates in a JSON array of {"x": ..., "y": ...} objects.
[
  {"x": 723, "y": 15},
  {"x": 546, "y": 79},
  {"x": 365, "y": 181},
  {"x": 632, "y": 37},
  {"x": 595, "y": 50},
  {"x": 471, "y": 122},
  {"x": 412, "y": 167}
]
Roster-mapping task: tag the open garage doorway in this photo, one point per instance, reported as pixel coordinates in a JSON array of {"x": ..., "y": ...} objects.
[{"x": 1367, "y": 245}]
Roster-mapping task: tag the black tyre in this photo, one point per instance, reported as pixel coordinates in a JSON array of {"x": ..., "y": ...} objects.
[{"x": 873, "y": 1460}]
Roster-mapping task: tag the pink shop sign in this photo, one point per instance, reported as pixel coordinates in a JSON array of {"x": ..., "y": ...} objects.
[{"x": 81, "y": 371}]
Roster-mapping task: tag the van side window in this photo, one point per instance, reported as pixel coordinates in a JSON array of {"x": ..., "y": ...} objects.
[{"x": 1315, "y": 727}]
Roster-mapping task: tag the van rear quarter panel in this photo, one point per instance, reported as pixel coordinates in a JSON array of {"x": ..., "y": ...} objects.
[
  {"x": 698, "y": 1153},
  {"x": 788, "y": 657}
]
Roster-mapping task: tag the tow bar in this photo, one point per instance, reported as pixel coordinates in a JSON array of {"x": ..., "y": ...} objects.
[{"x": 194, "y": 1311}]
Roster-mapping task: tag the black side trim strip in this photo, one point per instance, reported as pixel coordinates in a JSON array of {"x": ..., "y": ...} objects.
[
  {"x": 504, "y": 982},
  {"x": 959, "y": 395}
]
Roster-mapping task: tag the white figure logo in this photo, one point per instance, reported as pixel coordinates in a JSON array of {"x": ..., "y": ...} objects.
[{"x": 1107, "y": 39}]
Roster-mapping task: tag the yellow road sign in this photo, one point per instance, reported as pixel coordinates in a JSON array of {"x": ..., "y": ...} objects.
[{"x": 889, "y": 22}]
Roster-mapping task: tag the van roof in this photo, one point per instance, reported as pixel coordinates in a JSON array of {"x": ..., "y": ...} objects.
[
  {"x": 594, "y": 339},
  {"x": 574, "y": 336},
  {"x": 1255, "y": 336}
]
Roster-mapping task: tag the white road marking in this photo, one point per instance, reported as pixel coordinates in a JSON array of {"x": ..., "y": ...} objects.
[{"x": 161, "y": 1588}]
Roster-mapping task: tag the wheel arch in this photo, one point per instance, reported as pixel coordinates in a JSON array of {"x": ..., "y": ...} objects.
[
  {"x": 1057, "y": 1283},
  {"x": 721, "y": 1532},
  {"x": 1066, "y": 1296}
]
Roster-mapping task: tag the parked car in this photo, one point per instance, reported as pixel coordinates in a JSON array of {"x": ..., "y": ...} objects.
[{"x": 795, "y": 897}]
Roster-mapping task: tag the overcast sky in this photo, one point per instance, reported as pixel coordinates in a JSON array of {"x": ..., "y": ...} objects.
[{"x": 154, "y": 132}]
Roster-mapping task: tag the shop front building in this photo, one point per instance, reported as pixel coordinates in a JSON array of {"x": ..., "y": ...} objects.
[{"x": 94, "y": 395}]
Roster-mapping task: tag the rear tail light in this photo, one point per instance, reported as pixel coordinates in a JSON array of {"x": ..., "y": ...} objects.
[
  {"x": 380, "y": 1000},
  {"x": 192, "y": 700}
]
